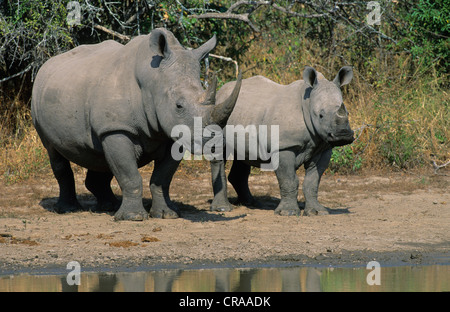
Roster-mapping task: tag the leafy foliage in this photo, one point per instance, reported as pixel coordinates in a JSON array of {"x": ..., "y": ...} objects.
[{"x": 406, "y": 126}]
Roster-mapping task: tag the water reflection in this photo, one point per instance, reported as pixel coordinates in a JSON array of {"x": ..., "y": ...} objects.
[{"x": 291, "y": 279}]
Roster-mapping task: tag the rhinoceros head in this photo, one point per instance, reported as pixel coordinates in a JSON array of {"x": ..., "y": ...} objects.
[
  {"x": 328, "y": 113},
  {"x": 170, "y": 76}
]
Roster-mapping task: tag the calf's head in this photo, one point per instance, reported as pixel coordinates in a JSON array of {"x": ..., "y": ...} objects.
[
  {"x": 328, "y": 113},
  {"x": 170, "y": 77}
]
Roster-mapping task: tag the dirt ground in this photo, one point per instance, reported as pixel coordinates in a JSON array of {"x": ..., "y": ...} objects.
[{"x": 392, "y": 218}]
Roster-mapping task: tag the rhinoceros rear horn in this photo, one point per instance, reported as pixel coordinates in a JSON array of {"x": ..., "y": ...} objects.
[
  {"x": 222, "y": 111},
  {"x": 204, "y": 49}
]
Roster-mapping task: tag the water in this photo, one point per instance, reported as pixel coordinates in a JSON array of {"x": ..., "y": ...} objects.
[{"x": 432, "y": 278}]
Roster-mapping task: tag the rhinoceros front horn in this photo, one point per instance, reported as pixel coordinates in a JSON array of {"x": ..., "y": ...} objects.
[{"x": 222, "y": 111}]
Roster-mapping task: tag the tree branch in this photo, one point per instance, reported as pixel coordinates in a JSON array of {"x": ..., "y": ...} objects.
[
  {"x": 18, "y": 74},
  {"x": 437, "y": 167},
  {"x": 227, "y": 59},
  {"x": 228, "y": 15},
  {"x": 255, "y": 5},
  {"x": 112, "y": 32}
]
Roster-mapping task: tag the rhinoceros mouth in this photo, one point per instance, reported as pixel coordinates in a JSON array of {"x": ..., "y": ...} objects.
[{"x": 340, "y": 139}]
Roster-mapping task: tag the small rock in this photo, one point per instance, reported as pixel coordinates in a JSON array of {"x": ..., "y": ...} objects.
[{"x": 416, "y": 255}]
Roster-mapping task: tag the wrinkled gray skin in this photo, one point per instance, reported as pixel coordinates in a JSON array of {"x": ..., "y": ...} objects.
[
  {"x": 312, "y": 119},
  {"x": 110, "y": 108}
]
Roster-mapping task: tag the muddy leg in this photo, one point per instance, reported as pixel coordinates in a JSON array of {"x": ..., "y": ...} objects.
[
  {"x": 288, "y": 182},
  {"x": 67, "y": 201},
  {"x": 238, "y": 177},
  {"x": 119, "y": 152},
  {"x": 99, "y": 184},
  {"x": 219, "y": 182},
  {"x": 162, "y": 206},
  {"x": 314, "y": 170}
]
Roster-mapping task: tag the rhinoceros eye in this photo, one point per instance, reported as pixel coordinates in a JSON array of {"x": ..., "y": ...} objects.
[{"x": 179, "y": 105}]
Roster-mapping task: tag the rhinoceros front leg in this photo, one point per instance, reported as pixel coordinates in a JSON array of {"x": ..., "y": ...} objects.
[
  {"x": 314, "y": 170},
  {"x": 288, "y": 182},
  {"x": 162, "y": 206},
  {"x": 219, "y": 182},
  {"x": 120, "y": 154}
]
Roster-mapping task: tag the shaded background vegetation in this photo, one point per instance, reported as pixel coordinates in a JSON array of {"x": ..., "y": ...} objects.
[{"x": 398, "y": 100}]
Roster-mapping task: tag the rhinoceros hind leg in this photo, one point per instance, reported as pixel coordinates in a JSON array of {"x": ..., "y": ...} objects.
[
  {"x": 99, "y": 184},
  {"x": 162, "y": 206},
  {"x": 67, "y": 201},
  {"x": 238, "y": 177}
]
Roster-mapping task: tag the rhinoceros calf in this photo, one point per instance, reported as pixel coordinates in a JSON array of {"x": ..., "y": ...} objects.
[
  {"x": 312, "y": 119},
  {"x": 110, "y": 108}
]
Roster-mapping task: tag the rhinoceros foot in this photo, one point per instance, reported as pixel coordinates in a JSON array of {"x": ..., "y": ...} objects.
[
  {"x": 315, "y": 210},
  {"x": 288, "y": 208},
  {"x": 67, "y": 206},
  {"x": 131, "y": 210},
  {"x": 130, "y": 216},
  {"x": 221, "y": 207},
  {"x": 249, "y": 201},
  {"x": 105, "y": 207},
  {"x": 164, "y": 211}
]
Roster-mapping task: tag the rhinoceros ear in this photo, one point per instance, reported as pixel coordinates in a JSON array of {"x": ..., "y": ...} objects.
[
  {"x": 344, "y": 76},
  {"x": 310, "y": 76},
  {"x": 160, "y": 43},
  {"x": 205, "y": 48}
]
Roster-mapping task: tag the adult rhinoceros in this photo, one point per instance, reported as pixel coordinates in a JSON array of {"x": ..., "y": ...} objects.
[
  {"x": 110, "y": 108},
  {"x": 312, "y": 119}
]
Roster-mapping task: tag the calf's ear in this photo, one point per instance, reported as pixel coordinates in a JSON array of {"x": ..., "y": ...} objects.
[
  {"x": 344, "y": 76},
  {"x": 310, "y": 76}
]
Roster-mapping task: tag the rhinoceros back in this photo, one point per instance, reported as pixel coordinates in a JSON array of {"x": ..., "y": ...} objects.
[
  {"x": 62, "y": 96},
  {"x": 264, "y": 102}
]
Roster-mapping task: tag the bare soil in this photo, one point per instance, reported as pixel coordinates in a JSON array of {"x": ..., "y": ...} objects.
[{"x": 391, "y": 218}]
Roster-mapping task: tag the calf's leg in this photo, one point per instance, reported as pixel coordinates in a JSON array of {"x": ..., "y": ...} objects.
[
  {"x": 314, "y": 170},
  {"x": 288, "y": 182},
  {"x": 219, "y": 183}
]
